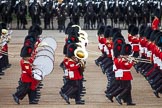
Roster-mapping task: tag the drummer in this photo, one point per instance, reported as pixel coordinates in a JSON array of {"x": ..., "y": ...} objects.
[{"x": 28, "y": 83}]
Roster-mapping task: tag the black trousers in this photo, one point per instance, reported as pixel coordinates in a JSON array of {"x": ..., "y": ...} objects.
[
  {"x": 72, "y": 89},
  {"x": 126, "y": 92},
  {"x": 22, "y": 90}
]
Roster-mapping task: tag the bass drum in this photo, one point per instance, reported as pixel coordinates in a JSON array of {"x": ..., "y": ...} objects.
[
  {"x": 46, "y": 52},
  {"x": 50, "y": 42},
  {"x": 45, "y": 47},
  {"x": 37, "y": 74},
  {"x": 43, "y": 63}
]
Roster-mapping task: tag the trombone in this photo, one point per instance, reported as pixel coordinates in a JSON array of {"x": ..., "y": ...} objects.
[
  {"x": 139, "y": 59},
  {"x": 143, "y": 60}
]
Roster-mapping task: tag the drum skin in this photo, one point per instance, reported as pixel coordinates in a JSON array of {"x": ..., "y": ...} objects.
[
  {"x": 46, "y": 52},
  {"x": 44, "y": 63},
  {"x": 50, "y": 42}
]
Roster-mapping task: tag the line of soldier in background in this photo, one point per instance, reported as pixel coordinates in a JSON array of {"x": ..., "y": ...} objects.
[{"x": 120, "y": 13}]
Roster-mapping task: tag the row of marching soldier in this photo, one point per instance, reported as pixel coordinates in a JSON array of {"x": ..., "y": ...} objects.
[
  {"x": 4, "y": 40},
  {"x": 74, "y": 63},
  {"x": 27, "y": 84},
  {"x": 144, "y": 53}
]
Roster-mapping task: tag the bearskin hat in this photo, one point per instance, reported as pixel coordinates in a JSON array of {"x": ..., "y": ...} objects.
[
  {"x": 158, "y": 41},
  {"x": 157, "y": 13},
  {"x": 70, "y": 49},
  {"x": 70, "y": 40},
  {"x": 107, "y": 31},
  {"x": 101, "y": 30},
  {"x": 148, "y": 32},
  {"x": 130, "y": 28},
  {"x": 68, "y": 26},
  {"x": 134, "y": 31},
  {"x": 73, "y": 31},
  {"x": 154, "y": 34},
  {"x": 126, "y": 49},
  {"x": 117, "y": 36},
  {"x": 114, "y": 31},
  {"x": 141, "y": 30},
  {"x": 117, "y": 49},
  {"x": 29, "y": 40},
  {"x": 26, "y": 51},
  {"x": 35, "y": 28}
]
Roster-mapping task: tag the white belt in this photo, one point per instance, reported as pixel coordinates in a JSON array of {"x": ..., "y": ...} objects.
[
  {"x": 134, "y": 44},
  {"x": 124, "y": 70},
  {"x": 24, "y": 72}
]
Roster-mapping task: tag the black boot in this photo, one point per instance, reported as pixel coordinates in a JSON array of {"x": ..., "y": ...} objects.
[
  {"x": 16, "y": 99},
  {"x": 64, "y": 97},
  {"x": 32, "y": 97},
  {"x": 156, "y": 94},
  {"x": 80, "y": 102},
  {"x": 110, "y": 97},
  {"x": 131, "y": 104},
  {"x": 118, "y": 100},
  {"x": 2, "y": 73}
]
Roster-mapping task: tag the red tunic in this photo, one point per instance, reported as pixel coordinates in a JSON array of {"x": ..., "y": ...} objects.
[
  {"x": 73, "y": 70},
  {"x": 26, "y": 69},
  {"x": 102, "y": 42},
  {"x": 130, "y": 38},
  {"x": 155, "y": 23},
  {"x": 5, "y": 48},
  {"x": 26, "y": 75},
  {"x": 109, "y": 47},
  {"x": 135, "y": 43},
  {"x": 125, "y": 67}
]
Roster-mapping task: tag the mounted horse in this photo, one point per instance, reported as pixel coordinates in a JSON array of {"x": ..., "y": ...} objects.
[
  {"x": 6, "y": 13},
  {"x": 122, "y": 13},
  {"x": 76, "y": 13},
  {"x": 35, "y": 12},
  {"x": 21, "y": 12},
  {"x": 110, "y": 10},
  {"x": 145, "y": 14},
  {"x": 61, "y": 17},
  {"x": 102, "y": 15},
  {"x": 90, "y": 17},
  {"x": 48, "y": 11},
  {"x": 130, "y": 15}
]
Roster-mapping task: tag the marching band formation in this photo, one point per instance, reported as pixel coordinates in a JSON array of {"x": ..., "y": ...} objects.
[
  {"x": 142, "y": 49},
  {"x": 74, "y": 63},
  {"x": 35, "y": 54}
]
